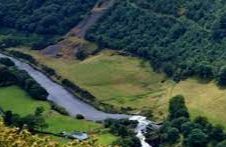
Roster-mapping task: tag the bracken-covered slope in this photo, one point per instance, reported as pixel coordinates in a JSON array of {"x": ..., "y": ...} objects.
[{"x": 180, "y": 37}]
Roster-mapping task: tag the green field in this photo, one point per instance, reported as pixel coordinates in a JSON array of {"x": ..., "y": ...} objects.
[
  {"x": 15, "y": 99},
  {"x": 112, "y": 78},
  {"x": 128, "y": 81}
]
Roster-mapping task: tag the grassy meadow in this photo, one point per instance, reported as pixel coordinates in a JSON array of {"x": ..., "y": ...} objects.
[
  {"x": 14, "y": 99},
  {"x": 129, "y": 81}
]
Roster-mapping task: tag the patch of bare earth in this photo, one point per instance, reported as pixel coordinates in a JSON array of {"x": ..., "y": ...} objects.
[{"x": 74, "y": 40}]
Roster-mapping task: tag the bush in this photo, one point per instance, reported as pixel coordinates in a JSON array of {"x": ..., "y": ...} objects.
[
  {"x": 26, "y": 57},
  {"x": 197, "y": 138},
  {"x": 177, "y": 107},
  {"x": 48, "y": 70},
  {"x": 58, "y": 108},
  {"x": 83, "y": 93},
  {"x": 79, "y": 116},
  {"x": 173, "y": 135},
  {"x": 6, "y": 62}
]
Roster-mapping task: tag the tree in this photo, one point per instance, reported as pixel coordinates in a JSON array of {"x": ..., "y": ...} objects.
[
  {"x": 221, "y": 144},
  {"x": 177, "y": 107},
  {"x": 187, "y": 127},
  {"x": 128, "y": 142},
  {"x": 205, "y": 71},
  {"x": 39, "y": 111},
  {"x": 217, "y": 134},
  {"x": 197, "y": 138},
  {"x": 173, "y": 135},
  {"x": 222, "y": 76},
  {"x": 6, "y": 62}
]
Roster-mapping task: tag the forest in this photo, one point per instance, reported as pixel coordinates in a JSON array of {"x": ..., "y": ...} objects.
[
  {"x": 181, "y": 38},
  {"x": 43, "y": 16}
]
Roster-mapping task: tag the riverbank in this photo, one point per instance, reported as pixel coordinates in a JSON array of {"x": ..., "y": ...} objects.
[
  {"x": 78, "y": 92},
  {"x": 15, "y": 99},
  {"x": 62, "y": 97}
]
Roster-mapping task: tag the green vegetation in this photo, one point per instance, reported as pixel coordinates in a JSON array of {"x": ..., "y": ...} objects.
[
  {"x": 180, "y": 129},
  {"x": 11, "y": 75},
  {"x": 202, "y": 97},
  {"x": 14, "y": 99},
  {"x": 113, "y": 79},
  {"x": 46, "y": 17},
  {"x": 181, "y": 38}
]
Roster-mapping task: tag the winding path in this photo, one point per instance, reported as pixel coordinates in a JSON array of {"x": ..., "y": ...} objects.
[{"x": 62, "y": 97}]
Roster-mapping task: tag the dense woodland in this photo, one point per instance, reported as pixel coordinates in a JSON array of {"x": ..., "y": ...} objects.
[
  {"x": 180, "y": 37},
  {"x": 43, "y": 16}
]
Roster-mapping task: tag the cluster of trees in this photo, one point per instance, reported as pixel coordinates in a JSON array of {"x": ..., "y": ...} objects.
[
  {"x": 32, "y": 122},
  {"x": 43, "y": 16},
  {"x": 125, "y": 129},
  {"x": 11, "y": 75},
  {"x": 181, "y": 38},
  {"x": 179, "y": 128}
]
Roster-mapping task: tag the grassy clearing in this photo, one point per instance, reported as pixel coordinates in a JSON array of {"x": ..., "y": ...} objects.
[
  {"x": 128, "y": 81},
  {"x": 15, "y": 99},
  {"x": 112, "y": 78}
]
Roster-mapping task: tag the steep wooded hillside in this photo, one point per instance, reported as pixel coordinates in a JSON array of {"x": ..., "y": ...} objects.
[
  {"x": 182, "y": 38},
  {"x": 43, "y": 16}
]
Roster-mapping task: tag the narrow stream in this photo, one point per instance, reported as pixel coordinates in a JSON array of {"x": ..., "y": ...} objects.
[{"x": 73, "y": 105}]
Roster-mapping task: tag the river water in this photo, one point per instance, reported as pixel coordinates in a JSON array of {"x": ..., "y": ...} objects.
[{"x": 73, "y": 105}]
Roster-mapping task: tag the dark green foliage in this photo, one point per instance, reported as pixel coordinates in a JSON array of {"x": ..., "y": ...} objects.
[
  {"x": 58, "y": 108},
  {"x": 32, "y": 121},
  {"x": 187, "y": 127},
  {"x": 7, "y": 78},
  {"x": 222, "y": 76},
  {"x": 25, "y": 81},
  {"x": 128, "y": 142},
  {"x": 11, "y": 75},
  {"x": 173, "y": 135},
  {"x": 197, "y": 138},
  {"x": 6, "y": 62},
  {"x": 49, "y": 71},
  {"x": 221, "y": 144},
  {"x": 80, "y": 116},
  {"x": 83, "y": 93},
  {"x": 43, "y": 16},
  {"x": 23, "y": 56},
  {"x": 81, "y": 54},
  {"x": 217, "y": 133},
  {"x": 181, "y": 38},
  {"x": 197, "y": 133},
  {"x": 177, "y": 107},
  {"x": 121, "y": 127},
  {"x": 125, "y": 129}
]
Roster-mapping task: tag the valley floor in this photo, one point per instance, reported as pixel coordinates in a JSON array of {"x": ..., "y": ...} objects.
[
  {"x": 124, "y": 81},
  {"x": 15, "y": 99}
]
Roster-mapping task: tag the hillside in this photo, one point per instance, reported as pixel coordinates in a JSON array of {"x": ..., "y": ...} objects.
[
  {"x": 43, "y": 17},
  {"x": 181, "y": 38}
]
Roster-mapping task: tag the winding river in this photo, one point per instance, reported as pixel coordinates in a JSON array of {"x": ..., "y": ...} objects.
[{"x": 73, "y": 105}]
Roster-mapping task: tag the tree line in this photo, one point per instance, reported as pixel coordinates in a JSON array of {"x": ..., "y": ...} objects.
[
  {"x": 180, "y": 38},
  {"x": 43, "y": 16},
  {"x": 11, "y": 75},
  {"x": 179, "y": 128}
]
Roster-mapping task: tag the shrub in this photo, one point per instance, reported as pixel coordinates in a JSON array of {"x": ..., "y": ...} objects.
[{"x": 79, "y": 116}]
